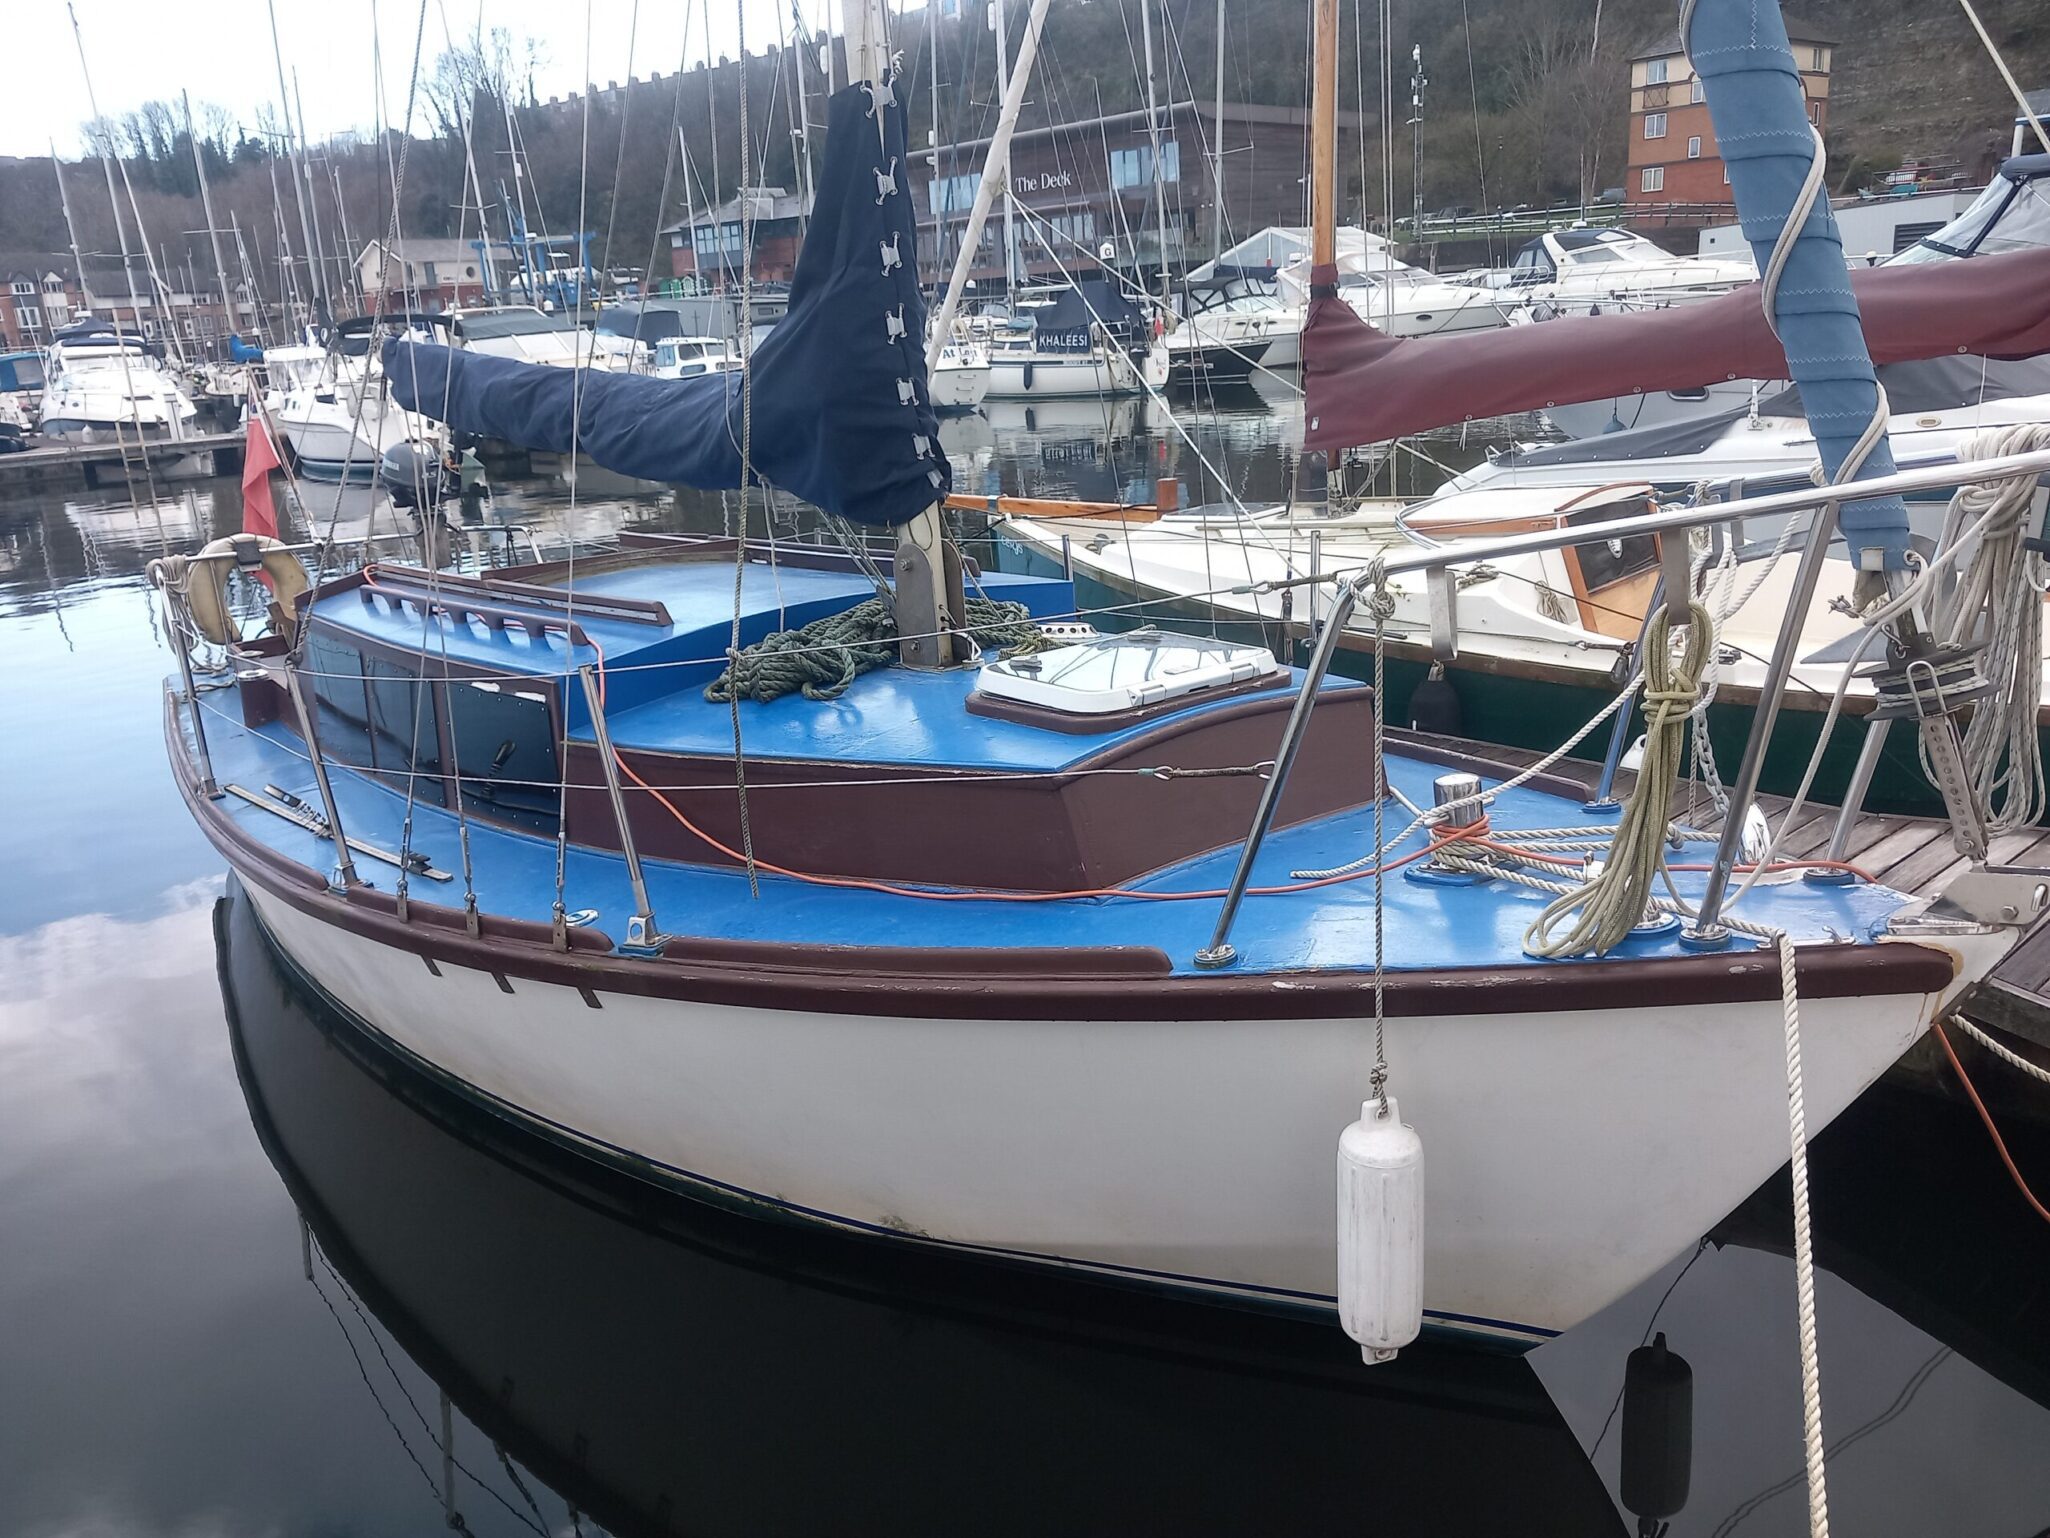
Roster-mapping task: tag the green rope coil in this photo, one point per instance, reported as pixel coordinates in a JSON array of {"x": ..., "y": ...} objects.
[
  {"x": 821, "y": 659},
  {"x": 1613, "y": 902}
]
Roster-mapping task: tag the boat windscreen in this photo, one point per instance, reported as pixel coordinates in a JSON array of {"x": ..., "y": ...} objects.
[
  {"x": 2012, "y": 214},
  {"x": 489, "y": 324}
]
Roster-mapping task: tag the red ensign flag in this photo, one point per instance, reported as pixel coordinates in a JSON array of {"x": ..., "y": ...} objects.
[{"x": 258, "y": 460}]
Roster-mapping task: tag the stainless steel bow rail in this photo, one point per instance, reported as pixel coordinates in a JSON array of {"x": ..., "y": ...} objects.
[{"x": 1438, "y": 564}]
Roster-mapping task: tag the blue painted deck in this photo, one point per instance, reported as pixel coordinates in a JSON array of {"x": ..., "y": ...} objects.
[
  {"x": 899, "y": 716},
  {"x": 1428, "y": 925}
]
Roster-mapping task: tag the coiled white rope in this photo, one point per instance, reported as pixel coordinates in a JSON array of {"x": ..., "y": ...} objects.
[{"x": 1999, "y": 600}]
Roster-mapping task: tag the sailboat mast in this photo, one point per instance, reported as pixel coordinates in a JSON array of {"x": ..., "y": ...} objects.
[
  {"x": 1153, "y": 144},
  {"x": 70, "y": 227},
  {"x": 712, "y": 191},
  {"x": 309, "y": 197},
  {"x": 206, "y": 203},
  {"x": 932, "y": 139},
  {"x": 289, "y": 287},
  {"x": 247, "y": 267},
  {"x": 1217, "y": 148},
  {"x": 106, "y": 165},
  {"x": 1324, "y": 143},
  {"x": 292, "y": 160},
  {"x": 1010, "y": 209}
]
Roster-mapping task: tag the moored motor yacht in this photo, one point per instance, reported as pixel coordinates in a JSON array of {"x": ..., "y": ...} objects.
[
  {"x": 106, "y": 386},
  {"x": 332, "y": 406}
]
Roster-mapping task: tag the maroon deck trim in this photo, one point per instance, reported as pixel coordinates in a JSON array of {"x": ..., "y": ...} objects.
[{"x": 1109, "y": 983}]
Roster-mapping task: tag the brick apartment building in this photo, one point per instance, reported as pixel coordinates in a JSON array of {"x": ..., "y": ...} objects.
[{"x": 1672, "y": 151}]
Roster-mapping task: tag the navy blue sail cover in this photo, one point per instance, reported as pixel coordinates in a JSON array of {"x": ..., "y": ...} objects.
[
  {"x": 842, "y": 416},
  {"x": 1069, "y": 323}
]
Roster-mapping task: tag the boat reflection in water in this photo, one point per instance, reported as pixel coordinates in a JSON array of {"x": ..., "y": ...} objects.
[{"x": 663, "y": 1366}]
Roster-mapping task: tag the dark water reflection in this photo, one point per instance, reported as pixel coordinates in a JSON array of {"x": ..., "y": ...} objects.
[{"x": 170, "y": 1106}]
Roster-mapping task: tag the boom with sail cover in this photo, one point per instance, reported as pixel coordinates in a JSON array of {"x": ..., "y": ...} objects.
[
  {"x": 842, "y": 414},
  {"x": 1363, "y": 387}
]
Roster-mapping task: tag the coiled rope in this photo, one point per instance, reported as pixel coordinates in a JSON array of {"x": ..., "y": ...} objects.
[
  {"x": 2004, "y": 581},
  {"x": 1616, "y": 899},
  {"x": 821, "y": 659}
]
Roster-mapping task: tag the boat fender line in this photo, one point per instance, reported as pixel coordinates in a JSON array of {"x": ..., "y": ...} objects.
[{"x": 202, "y": 582}]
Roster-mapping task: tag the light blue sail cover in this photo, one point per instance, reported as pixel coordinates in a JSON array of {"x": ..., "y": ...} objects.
[
  {"x": 841, "y": 415},
  {"x": 1740, "y": 50}
]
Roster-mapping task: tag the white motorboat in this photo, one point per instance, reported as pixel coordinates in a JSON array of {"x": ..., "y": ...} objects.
[
  {"x": 108, "y": 387},
  {"x": 333, "y": 408},
  {"x": 2012, "y": 214},
  {"x": 690, "y": 357},
  {"x": 1583, "y": 269}
]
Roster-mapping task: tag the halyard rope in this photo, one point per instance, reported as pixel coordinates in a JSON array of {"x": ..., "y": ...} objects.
[
  {"x": 821, "y": 659},
  {"x": 1613, "y": 901}
]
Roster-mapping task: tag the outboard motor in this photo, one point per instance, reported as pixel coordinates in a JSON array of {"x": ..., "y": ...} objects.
[{"x": 411, "y": 476}]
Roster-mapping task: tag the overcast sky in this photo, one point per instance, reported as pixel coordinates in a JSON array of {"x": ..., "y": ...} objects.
[{"x": 220, "y": 51}]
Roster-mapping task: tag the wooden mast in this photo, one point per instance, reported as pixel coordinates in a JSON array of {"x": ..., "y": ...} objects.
[{"x": 1323, "y": 135}]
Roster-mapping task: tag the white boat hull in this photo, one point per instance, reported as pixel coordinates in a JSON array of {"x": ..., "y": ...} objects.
[
  {"x": 958, "y": 387},
  {"x": 1050, "y": 376},
  {"x": 331, "y": 443},
  {"x": 1568, "y": 1155}
]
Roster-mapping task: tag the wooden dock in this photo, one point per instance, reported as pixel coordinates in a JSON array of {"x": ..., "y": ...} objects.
[{"x": 69, "y": 465}]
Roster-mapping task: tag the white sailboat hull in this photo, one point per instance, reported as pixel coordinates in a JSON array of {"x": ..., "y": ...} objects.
[
  {"x": 959, "y": 386},
  {"x": 1568, "y": 1155},
  {"x": 1046, "y": 376}
]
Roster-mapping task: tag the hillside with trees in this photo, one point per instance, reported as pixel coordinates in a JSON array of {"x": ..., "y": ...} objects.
[{"x": 1525, "y": 104}]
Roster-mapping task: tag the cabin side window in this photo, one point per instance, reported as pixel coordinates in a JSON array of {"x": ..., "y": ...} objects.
[
  {"x": 341, "y": 714},
  {"x": 405, "y": 738},
  {"x": 502, "y": 736}
]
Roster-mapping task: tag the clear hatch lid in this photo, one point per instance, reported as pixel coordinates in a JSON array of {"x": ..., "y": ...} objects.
[{"x": 1110, "y": 674}]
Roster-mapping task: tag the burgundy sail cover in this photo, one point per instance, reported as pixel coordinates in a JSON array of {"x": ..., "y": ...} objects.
[{"x": 1362, "y": 387}]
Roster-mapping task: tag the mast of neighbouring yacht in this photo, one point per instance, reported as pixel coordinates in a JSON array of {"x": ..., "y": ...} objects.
[
  {"x": 310, "y": 196},
  {"x": 1324, "y": 146},
  {"x": 107, "y": 166},
  {"x": 1153, "y": 145},
  {"x": 1004, "y": 159},
  {"x": 995, "y": 168},
  {"x": 317, "y": 295},
  {"x": 70, "y": 227},
  {"x": 206, "y": 203},
  {"x": 1217, "y": 148},
  {"x": 800, "y": 121}
]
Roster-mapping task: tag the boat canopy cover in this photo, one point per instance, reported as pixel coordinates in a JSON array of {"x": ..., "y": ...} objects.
[
  {"x": 1932, "y": 384},
  {"x": 1067, "y": 324},
  {"x": 2011, "y": 214},
  {"x": 1363, "y": 387},
  {"x": 841, "y": 412}
]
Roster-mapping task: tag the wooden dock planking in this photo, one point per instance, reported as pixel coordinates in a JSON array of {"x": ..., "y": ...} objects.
[{"x": 88, "y": 464}]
